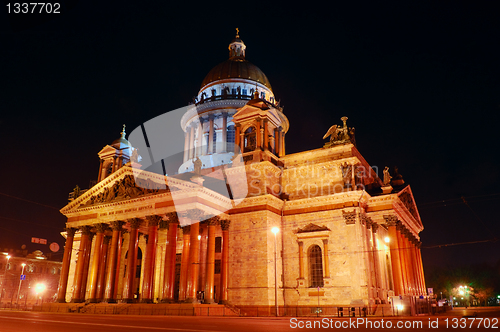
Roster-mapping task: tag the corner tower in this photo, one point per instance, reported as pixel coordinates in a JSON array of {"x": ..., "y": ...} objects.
[
  {"x": 209, "y": 127},
  {"x": 114, "y": 156}
]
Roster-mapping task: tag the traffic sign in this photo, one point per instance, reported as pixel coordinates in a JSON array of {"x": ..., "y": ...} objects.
[{"x": 23, "y": 276}]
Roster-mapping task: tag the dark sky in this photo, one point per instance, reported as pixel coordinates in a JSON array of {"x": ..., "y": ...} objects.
[{"x": 420, "y": 82}]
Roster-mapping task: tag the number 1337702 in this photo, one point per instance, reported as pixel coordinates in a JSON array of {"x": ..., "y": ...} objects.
[
  {"x": 471, "y": 322},
  {"x": 33, "y": 8}
]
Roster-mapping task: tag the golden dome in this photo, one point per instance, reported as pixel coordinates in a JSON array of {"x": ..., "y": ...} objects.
[{"x": 236, "y": 67}]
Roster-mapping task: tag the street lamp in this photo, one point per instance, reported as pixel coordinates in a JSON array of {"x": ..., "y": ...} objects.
[
  {"x": 20, "y": 282},
  {"x": 39, "y": 289},
  {"x": 275, "y": 230}
]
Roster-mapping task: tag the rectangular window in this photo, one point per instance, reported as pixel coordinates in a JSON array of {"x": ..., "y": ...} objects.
[
  {"x": 244, "y": 92},
  {"x": 218, "y": 244}
]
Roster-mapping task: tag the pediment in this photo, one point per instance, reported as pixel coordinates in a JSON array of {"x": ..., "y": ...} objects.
[
  {"x": 108, "y": 149},
  {"x": 120, "y": 186},
  {"x": 249, "y": 112},
  {"x": 312, "y": 228},
  {"x": 406, "y": 197}
]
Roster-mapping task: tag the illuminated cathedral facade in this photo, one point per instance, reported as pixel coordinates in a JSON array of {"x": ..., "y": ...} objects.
[{"x": 345, "y": 236}]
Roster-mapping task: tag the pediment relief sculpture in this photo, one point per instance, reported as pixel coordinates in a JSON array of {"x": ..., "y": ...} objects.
[{"x": 126, "y": 188}]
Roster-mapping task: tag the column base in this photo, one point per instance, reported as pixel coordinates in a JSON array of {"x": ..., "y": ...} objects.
[
  {"x": 223, "y": 302},
  {"x": 110, "y": 300},
  {"x": 77, "y": 301},
  {"x": 209, "y": 301},
  {"x": 61, "y": 301},
  {"x": 128, "y": 301},
  {"x": 146, "y": 301},
  {"x": 167, "y": 301},
  {"x": 190, "y": 300},
  {"x": 93, "y": 301}
]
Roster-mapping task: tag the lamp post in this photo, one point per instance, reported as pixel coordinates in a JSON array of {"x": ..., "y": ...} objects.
[
  {"x": 20, "y": 282},
  {"x": 275, "y": 230}
]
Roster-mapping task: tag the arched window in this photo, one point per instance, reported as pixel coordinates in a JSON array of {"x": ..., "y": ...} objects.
[
  {"x": 250, "y": 139},
  {"x": 315, "y": 267}
]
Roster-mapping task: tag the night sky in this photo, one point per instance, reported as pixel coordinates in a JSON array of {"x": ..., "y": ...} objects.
[{"x": 420, "y": 83}]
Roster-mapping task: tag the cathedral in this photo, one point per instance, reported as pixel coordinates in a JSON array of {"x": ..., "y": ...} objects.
[{"x": 241, "y": 222}]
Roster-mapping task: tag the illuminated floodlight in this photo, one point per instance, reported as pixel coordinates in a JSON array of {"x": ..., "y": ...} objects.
[
  {"x": 275, "y": 230},
  {"x": 387, "y": 239},
  {"x": 400, "y": 307},
  {"x": 39, "y": 288}
]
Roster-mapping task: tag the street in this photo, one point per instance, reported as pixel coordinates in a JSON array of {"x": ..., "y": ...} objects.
[{"x": 16, "y": 321}]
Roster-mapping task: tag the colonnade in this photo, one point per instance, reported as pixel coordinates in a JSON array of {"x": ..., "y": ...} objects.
[
  {"x": 197, "y": 145},
  {"x": 97, "y": 279},
  {"x": 406, "y": 259}
]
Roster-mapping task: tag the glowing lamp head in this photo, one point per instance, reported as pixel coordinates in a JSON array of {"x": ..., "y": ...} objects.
[
  {"x": 275, "y": 230},
  {"x": 387, "y": 239},
  {"x": 199, "y": 237},
  {"x": 40, "y": 288},
  {"x": 400, "y": 307},
  {"x": 8, "y": 257},
  {"x": 23, "y": 264}
]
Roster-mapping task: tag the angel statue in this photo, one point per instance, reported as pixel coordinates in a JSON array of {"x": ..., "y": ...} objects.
[
  {"x": 340, "y": 134},
  {"x": 333, "y": 132}
]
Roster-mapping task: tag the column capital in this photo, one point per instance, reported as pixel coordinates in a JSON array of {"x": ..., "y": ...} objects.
[
  {"x": 117, "y": 225},
  {"x": 325, "y": 241},
  {"x": 101, "y": 228},
  {"x": 134, "y": 222},
  {"x": 365, "y": 219},
  {"x": 86, "y": 230},
  {"x": 224, "y": 224},
  {"x": 70, "y": 231},
  {"x": 375, "y": 227},
  {"x": 213, "y": 221},
  {"x": 153, "y": 220},
  {"x": 349, "y": 217},
  {"x": 390, "y": 220},
  {"x": 172, "y": 218}
]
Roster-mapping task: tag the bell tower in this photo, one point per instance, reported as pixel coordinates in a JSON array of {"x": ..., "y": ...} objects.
[{"x": 114, "y": 156}]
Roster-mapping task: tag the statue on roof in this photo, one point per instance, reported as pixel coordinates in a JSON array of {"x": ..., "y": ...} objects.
[
  {"x": 197, "y": 166},
  {"x": 340, "y": 134},
  {"x": 387, "y": 176}
]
